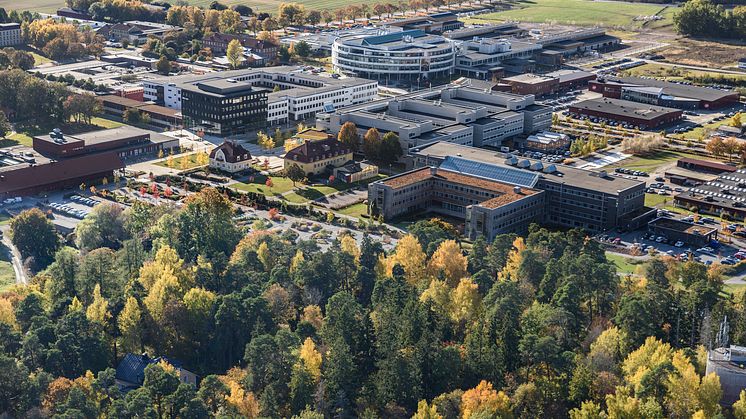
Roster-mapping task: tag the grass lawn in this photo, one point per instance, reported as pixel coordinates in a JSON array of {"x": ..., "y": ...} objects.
[
  {"x": 7, "y": 275},
  {"x": 355, "y": 210},
  {"x": 653, "y": 200},
  {"x": 17, "y": 138},
  {"x": 177, "y": 162},
  {"x": 623, "y": 264},
  {"x": 105, "y": 123},
  {"x": 280, "y": 185},
  {"x": 577, "y": 12},
  {"x": 651, "y": 162}
]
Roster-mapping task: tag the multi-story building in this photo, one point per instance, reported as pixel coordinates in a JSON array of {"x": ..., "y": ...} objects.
[
  {"x": 136, "y": 30},
  {"x": 574, "y": 197},
  {"x": 293, "y": 94},
  {"x": 316, "y": 157},
  {"x": 454, "y": 113},
  {"x": 488, "y": 207},
  {"x": 224, "y": 107},
  {"x": 434, "y": 23},
  {"x": 218, "y": 44},
  {"x": 10, "y": 34},
  {"x": 408, "y": 55},
  {"x": 486, "y": 58}
]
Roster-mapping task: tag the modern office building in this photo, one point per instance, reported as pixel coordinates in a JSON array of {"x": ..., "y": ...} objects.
[
  {"x": 487, "y": 206},
  {"x": 488, "y": 58},
  {"x": 593, "y": 200},
  {"x": 663, "y": 93},
  {"x": 435, "y": 23},
  {"x": 455, "y": 113},
  {"x": 10, "y": 34},
  {"x": 637, "y": 114},
  {"x": 292, "y": 94},
  {"x": 407, "y": 55},
  {"x": 224, "y": 107}
]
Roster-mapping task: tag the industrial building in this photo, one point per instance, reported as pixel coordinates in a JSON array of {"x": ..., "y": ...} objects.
[
  {"x": 453, "y": 113},
  {"x": 488, "y": 207},
  {"x": 291, "y": 93},
  {"x": 663, "y": 93},
  {"x": 574, "y": 197},
  {"x": 724, "y": 196},
  {"x": 59, "y": 160},
  {"x": 409, "y": 55},
  {"x": 636, "y": 114}
]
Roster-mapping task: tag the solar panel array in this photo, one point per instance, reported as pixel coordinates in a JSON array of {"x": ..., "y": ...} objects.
[{"x": 489, "y": 171}]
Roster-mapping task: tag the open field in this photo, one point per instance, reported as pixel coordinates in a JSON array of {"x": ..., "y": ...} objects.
[
  {"x": 356, "y": 210},
  {"x": 623, "y": 264},
  {"x": 578, "y": 12},
  {"x": 703, "y": 53}
]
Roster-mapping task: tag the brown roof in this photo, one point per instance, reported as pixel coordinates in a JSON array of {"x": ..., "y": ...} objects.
[
  {"x": 311, "y": 151},
  {"x": 709, "y": 164},
  {"x": 233, "y": 152},
  {"x": 507, "y": 192}
]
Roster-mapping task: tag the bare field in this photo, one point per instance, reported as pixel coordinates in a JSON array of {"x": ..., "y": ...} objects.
[{"x": 703, "y": 53}]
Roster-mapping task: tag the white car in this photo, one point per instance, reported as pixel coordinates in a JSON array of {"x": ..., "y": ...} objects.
[{"x": 679, "y": 243}]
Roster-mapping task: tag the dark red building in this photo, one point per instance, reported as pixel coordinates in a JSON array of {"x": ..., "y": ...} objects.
[
  {"x": 637, "y": 114},
  {"x": 663, "y": 93}
]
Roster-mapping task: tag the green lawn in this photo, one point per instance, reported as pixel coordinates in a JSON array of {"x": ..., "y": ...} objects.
[
  {"x": 653, "y": 200},
  {"x": 577, "y": 12},
  {"x": 651, "y": 162},
  {"x": 7, "y": 274},
  {"x": 356, "y": 210},
  {"x": 177, "y": 162},
  {"x": 17, "y": 138},
  {"x": 280, "y": 185},
  {"x": 105, "y": 123},
  {"x": 623, "y": 264}
]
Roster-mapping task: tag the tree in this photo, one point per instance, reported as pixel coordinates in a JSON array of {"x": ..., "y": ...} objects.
[
  {"x": 391, "y": 149},
  {"x": 372, "y": 144},
  {"x": 408, "y": 255},
  {"x": 736, "y": 121},
  {"x": 234, "y": 53},
  {"x": 265, "y": 141},
  {"x": 163, "y": 65},
  {"x": 426, "y": 412},
  {"x": 484, "y": 399},
  {"x": 5, "y": 126},
  {"x": 34, "y": 236},
  {"x": 739, "y": 407},
  {"x": 103, "y": 227},
  {"x": 295, "y": 173},
  {"x": 449, "y": 262},
  {"x": 302, "y": 49},
  {"x": 348, "y": 135},
  {"x": 131, "y": 326}
]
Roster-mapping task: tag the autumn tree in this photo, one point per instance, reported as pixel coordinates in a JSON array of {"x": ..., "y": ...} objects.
[
  {"x": 34, "y": 236},
  {"x": 348, "y": 135},
  {"x": 448, "y": 262},
  {"x": 234, "y": 53}
]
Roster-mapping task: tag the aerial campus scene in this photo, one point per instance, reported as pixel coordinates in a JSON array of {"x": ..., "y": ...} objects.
[{"x": 413, "y": 209}]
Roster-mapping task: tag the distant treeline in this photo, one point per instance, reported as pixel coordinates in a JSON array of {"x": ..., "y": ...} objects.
[{"x": 705, "y": 18}]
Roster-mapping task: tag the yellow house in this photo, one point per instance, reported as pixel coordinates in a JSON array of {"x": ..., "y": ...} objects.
[{"x": 316, "y": 157}]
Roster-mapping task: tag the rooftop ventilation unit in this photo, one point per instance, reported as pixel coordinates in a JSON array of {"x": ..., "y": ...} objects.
[
  {"x": 537, "y": 166},
  {"x": 523, "y": 164},
  {"x": 512, "y": 161},
  {"x": 550, "y": 169}
]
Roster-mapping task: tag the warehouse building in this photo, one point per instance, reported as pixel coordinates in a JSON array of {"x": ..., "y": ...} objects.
[
  {"x": 637, "y": 114},
  {"x": 663, "y": 93},
  {"x": 575, "y": 197},
  {"x": 59, "y": 160}
]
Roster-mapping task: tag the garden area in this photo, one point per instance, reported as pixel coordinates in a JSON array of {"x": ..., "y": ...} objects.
[{"x": 186, "y": 162}]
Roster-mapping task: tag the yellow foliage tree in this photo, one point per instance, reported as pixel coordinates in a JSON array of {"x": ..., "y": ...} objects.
[
  {"x": 7, "y": 313},
  {"x": 649, "y": 355},
  {"x": 515, "y": 258},
  {"x": 312, "y": 314},
  {"x": 311, "y": 358},
  {"x": 466, "y": 301},
  {"x": 245, "y": 403},
  {"x": 449, "y": 262},
  {"x": 98, "y": 310},
  {"x": 484, "y": 398},
  {"x": 130, "y": 326},
  {"x": 265, "y": 256},
  {"x": 587, "y": 410},
  {"x": 439, "y": 294},
  {"x": 75, "y": 305},
  {"x": 408, "y": 255},
  {"x": 297, "y": 260},
  {"x": 622, "y": 405},
  {"x": 166, "y": 261},
  {"x": 349, "y": 246},
  {"x": 426, "y": 412}
]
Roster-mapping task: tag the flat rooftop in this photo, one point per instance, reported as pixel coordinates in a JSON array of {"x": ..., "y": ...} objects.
[
  {"x": 572, "y": 176},
  {"x": 529, "y": 79},
  {"x": 674, "y": 89},
  {"x": 624, "y": 108},
  {"x": 506, "y": 192},
  {"x": 682, "y": 226},
  {"x": 107, "y": 135}
]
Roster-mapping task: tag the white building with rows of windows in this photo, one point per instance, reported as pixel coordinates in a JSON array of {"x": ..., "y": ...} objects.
[{"x": 296, "y": 94}]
